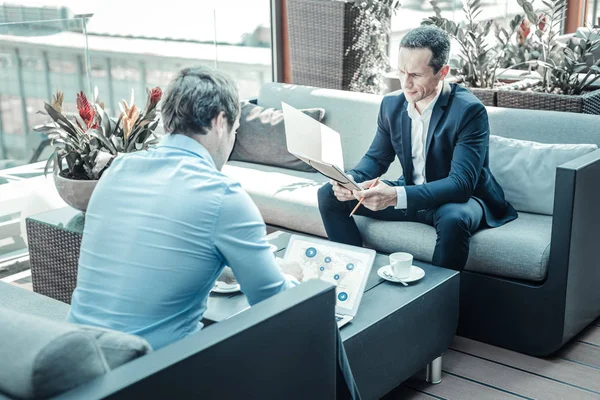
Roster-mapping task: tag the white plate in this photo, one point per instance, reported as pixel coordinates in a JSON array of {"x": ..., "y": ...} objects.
[
  {"x": 416, "y": 273},
  {"x": 222, "y": 287}
]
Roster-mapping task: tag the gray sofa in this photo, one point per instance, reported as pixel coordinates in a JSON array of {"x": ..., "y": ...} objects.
[
  {"x": 530, "y": 285},
  {"x": 283, "y": 347}
]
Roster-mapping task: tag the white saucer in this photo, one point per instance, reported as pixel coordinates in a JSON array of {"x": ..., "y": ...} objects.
[
  {"x": 222, "y": 287},
  {"x": 416, "y": 273}
]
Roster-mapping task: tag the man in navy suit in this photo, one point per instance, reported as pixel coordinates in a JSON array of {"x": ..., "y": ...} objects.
[{"x": 440, "y": 133}]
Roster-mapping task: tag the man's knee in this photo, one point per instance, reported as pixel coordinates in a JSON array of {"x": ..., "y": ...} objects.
[
  {"x": 325, "y": 195},
  {"x": 453, "y": 219}
]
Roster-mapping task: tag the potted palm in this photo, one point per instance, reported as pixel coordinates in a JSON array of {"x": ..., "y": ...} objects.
[{"x": 86, "y": 142}]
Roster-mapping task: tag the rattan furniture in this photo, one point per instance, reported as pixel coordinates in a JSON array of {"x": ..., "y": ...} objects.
[{"x": 322, "y": 34}]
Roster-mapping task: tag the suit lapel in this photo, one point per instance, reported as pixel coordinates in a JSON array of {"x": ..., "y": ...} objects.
[
  {"x": 438, "y": 111},
  {"x": 407, "y": 145}
]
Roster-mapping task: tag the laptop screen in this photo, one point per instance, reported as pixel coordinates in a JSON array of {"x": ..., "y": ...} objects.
[{"x": 345, "y": 266}]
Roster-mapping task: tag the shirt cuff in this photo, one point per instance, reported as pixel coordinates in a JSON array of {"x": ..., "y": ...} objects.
[
  {"x": 401, "y": 194},
  {"x": 291, "y": 280}
]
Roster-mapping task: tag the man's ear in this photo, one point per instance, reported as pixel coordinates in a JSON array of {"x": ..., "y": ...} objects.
[
  {"x": 444, "y": 71},
  {"x": 220, "y": 123}
]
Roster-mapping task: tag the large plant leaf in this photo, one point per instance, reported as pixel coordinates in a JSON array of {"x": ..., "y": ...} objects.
[
  {"x": 101, "y": 162},
  {"x": 134, "y": 139},
  {"x": 50, "y": 161},
  {"x": 105, "y": 122},
  {"x": 119, "y": 143},
  {"x": 100, "y": 136},
  {"x": 60, "y": 119}
]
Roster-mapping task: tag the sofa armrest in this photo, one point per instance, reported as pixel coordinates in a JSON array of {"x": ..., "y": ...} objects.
[
  {"x": 25, "y": 301},
  {"x": 574, "y": 261},
  {"x": 283, "y": 347}
]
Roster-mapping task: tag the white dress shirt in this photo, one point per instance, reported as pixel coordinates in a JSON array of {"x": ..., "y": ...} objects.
[{"x": 419, "y": 129}]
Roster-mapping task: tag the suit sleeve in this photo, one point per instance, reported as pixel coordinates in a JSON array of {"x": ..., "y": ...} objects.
[
  {"x": 381, "y": 153},
  {"x": 467, "y": 161}
]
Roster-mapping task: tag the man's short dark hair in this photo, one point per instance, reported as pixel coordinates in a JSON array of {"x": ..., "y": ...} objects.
[
  {"x": 196, "y": 96},
  {"x": 432, "y": 38}
]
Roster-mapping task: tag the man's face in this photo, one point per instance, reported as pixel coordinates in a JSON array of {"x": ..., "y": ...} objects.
[{"x": 418, "y": 80}]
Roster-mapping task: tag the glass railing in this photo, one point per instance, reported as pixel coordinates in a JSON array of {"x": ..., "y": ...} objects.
[
  {"x": 120, "y": 53},
  {"x": 37, "y": 59}
]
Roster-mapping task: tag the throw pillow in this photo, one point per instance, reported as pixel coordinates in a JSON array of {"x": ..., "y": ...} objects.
[
  {"x": 261, "y": 138},
  {"x": 49, "y": 357},
  {"x": 527, "y": 170}
]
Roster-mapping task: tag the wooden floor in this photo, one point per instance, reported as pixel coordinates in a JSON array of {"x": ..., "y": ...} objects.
[{"x": 478, "y": 371}]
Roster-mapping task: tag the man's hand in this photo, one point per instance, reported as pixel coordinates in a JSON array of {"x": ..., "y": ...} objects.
[
  {"x": 377, "y": 198},
  {"x": 340, "y": 192},
  {"x": 291, "y": 268}
]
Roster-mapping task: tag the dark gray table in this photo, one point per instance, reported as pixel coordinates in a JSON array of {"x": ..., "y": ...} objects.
[{"x": 398, "y": 330}]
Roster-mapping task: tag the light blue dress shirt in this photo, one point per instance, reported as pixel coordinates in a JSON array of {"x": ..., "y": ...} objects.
[{"x": 160, "y": 227}]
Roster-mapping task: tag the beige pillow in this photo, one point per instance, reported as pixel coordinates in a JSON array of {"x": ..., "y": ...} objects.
[
  {"x": 527, "y": 170},
  {"x": 261, "y": 138}
]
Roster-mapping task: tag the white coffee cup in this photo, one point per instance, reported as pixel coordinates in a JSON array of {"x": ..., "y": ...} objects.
[{"x": 401, "y": 263}]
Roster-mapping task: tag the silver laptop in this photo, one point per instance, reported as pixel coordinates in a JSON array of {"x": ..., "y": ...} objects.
[
  {"x": 316, "y": 144},
  {"x": 347, "y": 267}
]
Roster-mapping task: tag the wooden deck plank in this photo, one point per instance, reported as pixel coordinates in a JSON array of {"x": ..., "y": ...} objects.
[
  {"x": 581, "y": 353},
  {"x": 406, "y": 393},
  {"x": 555, "y": 368},
  {"x": 591, "y": 335},
  {"x": 456, "y": 388},
  {"x": 510, "y": 379}
]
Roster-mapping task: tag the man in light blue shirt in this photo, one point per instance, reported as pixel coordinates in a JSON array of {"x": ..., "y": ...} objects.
[{"x": 162, "y": 224}]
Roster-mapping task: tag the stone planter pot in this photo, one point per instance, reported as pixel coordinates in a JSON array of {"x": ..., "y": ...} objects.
[{"x": 75, "y": 192}]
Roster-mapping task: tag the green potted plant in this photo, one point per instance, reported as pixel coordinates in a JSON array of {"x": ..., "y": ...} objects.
[
  {"x": 558, "y": 75},
  {"x": 86, "y": 142}
]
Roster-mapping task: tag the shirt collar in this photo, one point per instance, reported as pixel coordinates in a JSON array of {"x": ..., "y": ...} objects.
[
  {"x": 187, "y": 144},
  {"x": 412, "y": 110}
]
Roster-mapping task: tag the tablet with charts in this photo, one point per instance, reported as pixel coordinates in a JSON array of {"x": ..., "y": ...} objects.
[
  {"x": 347, "y": 267},
  {"x": 316, "y": 144}
]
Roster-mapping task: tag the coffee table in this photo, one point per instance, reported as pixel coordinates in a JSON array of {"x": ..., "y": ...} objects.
[{"x": 398, "y": 330}]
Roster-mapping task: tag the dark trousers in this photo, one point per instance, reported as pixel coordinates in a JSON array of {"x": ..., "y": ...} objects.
[
  {"x": 346, "y": 388},
  {"x": 453, "y": 222}
]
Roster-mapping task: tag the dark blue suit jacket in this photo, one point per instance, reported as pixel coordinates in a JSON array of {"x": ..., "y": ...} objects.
[{"x": 457, "y": 154}]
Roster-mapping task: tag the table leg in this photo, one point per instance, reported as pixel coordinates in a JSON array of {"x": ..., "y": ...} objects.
[{"x": 433, "y": 372}]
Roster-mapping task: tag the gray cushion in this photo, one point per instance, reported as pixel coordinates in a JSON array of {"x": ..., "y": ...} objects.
[
  {"x": 544, "y": 126},
  {"x": 28, "y": 302},
  {"x": 288, "y": 199},
  {"x": 49, "y": 357},
  {"x": 526, "y": 170},
  {"x": 284, "y": 197},
  {"x": 518, "y": 249},
  {"x": 261, "y": 138},
  {"x": 118, "y": 347}
]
